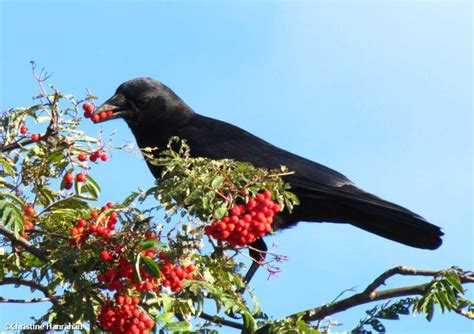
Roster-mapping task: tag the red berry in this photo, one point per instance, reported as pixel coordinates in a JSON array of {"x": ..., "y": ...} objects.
[
  {"x": 109, "y": 113},
  {"x": 73, "y": 231},
  {"x": 81, "y": 223},
  {"x": 30, "y": 211},
  {"x": 100, "y": 230},
  {"x": 104, "y": 157},
  {"x": 149, "y": 323},
  {"x": 267, "y": 194},
  {"x": 103, "y": 115},
  {"x": 119, "y": 299},
  {"x": 68, "y": 177},
  {"x": 148, "y": 286},
  {"x": 95, "y": 118},
  {"x": 110, "y": 204},
  {"x": 23, "y": 130},
  {"x": 276, "y": 208},
  {"x": 105, "y": 255},
  {"x": 251, "y": 204},
  {"x": 82, "y": 157},
  {"x": 68, "y": 185},
  {"x": 35, "y": 137},
  {"x": 93, "y": 157},
  {"x": 81, "y": 177},
  {"x": 88, "y": 107},
  {"x": 94, "y": 215},
  {"x": 235, "y": 211}
]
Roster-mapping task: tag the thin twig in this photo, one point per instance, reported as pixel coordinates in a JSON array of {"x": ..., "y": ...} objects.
[{"x": 220, "y": 321}]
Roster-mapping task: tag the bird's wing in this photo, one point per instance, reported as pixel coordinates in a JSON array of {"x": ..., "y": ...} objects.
[{"x": 218, "y": 140}]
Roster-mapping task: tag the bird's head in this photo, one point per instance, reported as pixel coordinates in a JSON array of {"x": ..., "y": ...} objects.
[{"x": 142, "y": 100}]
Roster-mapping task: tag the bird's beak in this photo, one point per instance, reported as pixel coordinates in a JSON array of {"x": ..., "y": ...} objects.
[{"x": 115, "y": 107}]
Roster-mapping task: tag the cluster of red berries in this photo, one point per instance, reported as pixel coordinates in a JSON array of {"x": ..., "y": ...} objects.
[
  {"x": 123, "y": 315},
  {"x": 89, "y": 113},
  {"x": 174, "y": 275},
  {"x": 28, "y": 225},
  {"x": 246, "y": 223},
  {"x": 99, "y": 154},
  {"x": 117, "y": 273},
  {"x": 84, "y": 228},
  {"x": 121, "y": 276},
  {"x": 88, "y": 110},
  {"x": 69, "y": 178}
]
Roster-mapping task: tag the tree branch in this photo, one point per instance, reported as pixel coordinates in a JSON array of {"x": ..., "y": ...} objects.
[
  {"x": 220, "y": 321},
  {"x": 28, "y": 301},
  {"x": 370, "y": 294},
  {"x": 21, "y": 281},
  {"x": 25, "y": 244}
]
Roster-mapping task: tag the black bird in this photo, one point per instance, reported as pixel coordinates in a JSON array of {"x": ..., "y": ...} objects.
[{"x": 155, "y": 113}]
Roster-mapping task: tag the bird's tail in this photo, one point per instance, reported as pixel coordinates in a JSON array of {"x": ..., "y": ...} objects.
[{"x": 392, "y": 221}]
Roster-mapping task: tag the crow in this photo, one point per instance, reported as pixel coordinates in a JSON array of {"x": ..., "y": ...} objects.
[{"x": 155, "y": 113}]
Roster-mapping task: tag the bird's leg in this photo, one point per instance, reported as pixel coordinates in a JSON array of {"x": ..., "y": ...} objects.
[{"x": 257, "y": 252}]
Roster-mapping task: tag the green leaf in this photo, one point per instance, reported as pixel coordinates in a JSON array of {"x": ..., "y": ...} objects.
[
  {"x": 217, "y": 182},
  {"x": 180, "y": 326},
  {"x": 55, "y": 157},
  {"x": 94, "y": 185},
  {"x": 47, "y": 196},
  {"x": 443, "y": 300},
  {"x": 11, "y": 216},
  {"x": 221, "y": 211},
  {"x": 150, "y": 266},
  {"x": 250, "y": 325},
  {"x": 388, "y": 314},
  {"x": 33, "y": 260},
  {"x": 152, "y": 244},
  {"x": 166, "y": 317},
  {"x": 450, "y": 293},
  {"x": 66, "y": 214},
  {"x": 127, "y": 201},
  {"x": 454, "y": 280},
  {"x": 429, "y": 310},
  {"x": 8, "y": 167},
  {"x": 68, "y": 203},
  {"x": 167, "y": 302},
  {"x": 14, "y": 198}
]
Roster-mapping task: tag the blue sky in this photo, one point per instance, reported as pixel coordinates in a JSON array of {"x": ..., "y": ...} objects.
[{"x": 380, "y": 91}]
